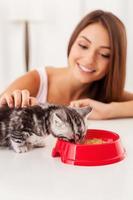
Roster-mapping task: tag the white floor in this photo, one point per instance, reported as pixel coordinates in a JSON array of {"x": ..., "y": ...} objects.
[{"x": 37, "y": 176}]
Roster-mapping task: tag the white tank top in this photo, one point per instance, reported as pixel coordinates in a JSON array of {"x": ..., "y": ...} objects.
[{"x": 43, "y": 88}]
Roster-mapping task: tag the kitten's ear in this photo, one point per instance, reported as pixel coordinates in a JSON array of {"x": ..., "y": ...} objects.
[{"x": 83, "y": 111}]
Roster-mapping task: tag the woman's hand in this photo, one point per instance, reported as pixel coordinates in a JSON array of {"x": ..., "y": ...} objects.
[
  {"x": 99, "y": 110},
  {"x": 18, "y": 98}
]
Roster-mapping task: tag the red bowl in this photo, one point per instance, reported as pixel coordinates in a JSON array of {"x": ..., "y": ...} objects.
[{"x": 110, "y": 151}]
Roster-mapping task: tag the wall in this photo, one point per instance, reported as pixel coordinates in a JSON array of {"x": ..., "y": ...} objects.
[{"x": 50, "y": 26}]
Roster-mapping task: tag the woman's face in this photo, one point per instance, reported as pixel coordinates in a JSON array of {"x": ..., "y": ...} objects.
[{"x": 90, "y": 54}]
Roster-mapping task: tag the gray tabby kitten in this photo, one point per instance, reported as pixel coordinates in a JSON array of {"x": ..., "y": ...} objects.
[{"x": 24, "y": 128}]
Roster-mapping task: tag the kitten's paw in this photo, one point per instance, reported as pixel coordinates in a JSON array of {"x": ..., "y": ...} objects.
[
  {"x": 21, "y": 149},
  {"x": 18, "y": 148}
]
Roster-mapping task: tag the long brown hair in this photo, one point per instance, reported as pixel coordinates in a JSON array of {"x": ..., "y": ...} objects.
[{"x": 111, "y": 87}]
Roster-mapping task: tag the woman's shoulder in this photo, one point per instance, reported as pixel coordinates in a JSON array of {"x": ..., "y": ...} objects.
[
  {"x": 50, "y": 70},
  {"x": 53, "y": 71},
  {"x": 42, "y": 72}
]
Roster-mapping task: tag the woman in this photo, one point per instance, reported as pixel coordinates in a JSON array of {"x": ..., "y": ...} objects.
[{"x": 95, "y": 74}]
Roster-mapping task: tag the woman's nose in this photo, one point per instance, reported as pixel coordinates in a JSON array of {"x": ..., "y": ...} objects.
[{"x": 90, "y": 58}]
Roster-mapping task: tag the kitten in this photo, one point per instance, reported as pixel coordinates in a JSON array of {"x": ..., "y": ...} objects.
[{"x": 24, "y": 128}]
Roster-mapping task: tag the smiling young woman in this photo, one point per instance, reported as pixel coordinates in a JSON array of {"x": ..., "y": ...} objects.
[
  {"x": 110, "y": 87},
  {"x": 95, "y": 74},
  {"x": 90, "y": 53}
]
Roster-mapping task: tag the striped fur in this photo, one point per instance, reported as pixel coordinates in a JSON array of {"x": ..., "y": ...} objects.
[{"x": 24, "y": 128}]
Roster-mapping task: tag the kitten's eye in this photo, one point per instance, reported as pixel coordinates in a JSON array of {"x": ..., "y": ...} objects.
[{"x": 57, "y": 123}]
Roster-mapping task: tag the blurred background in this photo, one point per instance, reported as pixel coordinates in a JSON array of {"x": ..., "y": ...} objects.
[{"x": 35, "y": 33}]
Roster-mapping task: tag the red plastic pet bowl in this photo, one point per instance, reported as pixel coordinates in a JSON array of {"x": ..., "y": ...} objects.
[{"x": 108, "y": 152}]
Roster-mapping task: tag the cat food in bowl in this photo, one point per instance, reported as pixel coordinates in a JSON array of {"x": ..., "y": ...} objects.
[
  {"x": 93, "y": 141},
  {"x": 98, "y": 147}
]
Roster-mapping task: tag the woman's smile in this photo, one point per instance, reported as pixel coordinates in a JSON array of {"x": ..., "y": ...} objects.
[{"x": 86, "y": 69}]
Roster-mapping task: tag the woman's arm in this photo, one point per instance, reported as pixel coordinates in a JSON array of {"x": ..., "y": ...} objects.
[
  {"x": 127, "y": 96},
  {"x": 21, "y": 90},
  {"x": 108, "y": 110},
  {"x": 122, "y": 109}
]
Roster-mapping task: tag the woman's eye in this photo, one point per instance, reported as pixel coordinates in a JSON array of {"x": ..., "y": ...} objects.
[
  {"x": 105, "y": 55},
  {"x": 83, "y": 46}
]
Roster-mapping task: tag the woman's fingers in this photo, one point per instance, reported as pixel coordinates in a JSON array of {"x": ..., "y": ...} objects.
[
  {"x": 6, "y": 100},
  {"x": 3, "y": 102},
  {"x": 80, "y": 103},
  {"x": 19, "y": 98},
  {"x": 32, "y": 101},
  {"x": 99, "y": 110},
  {"x": 25, "y": 94}
]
